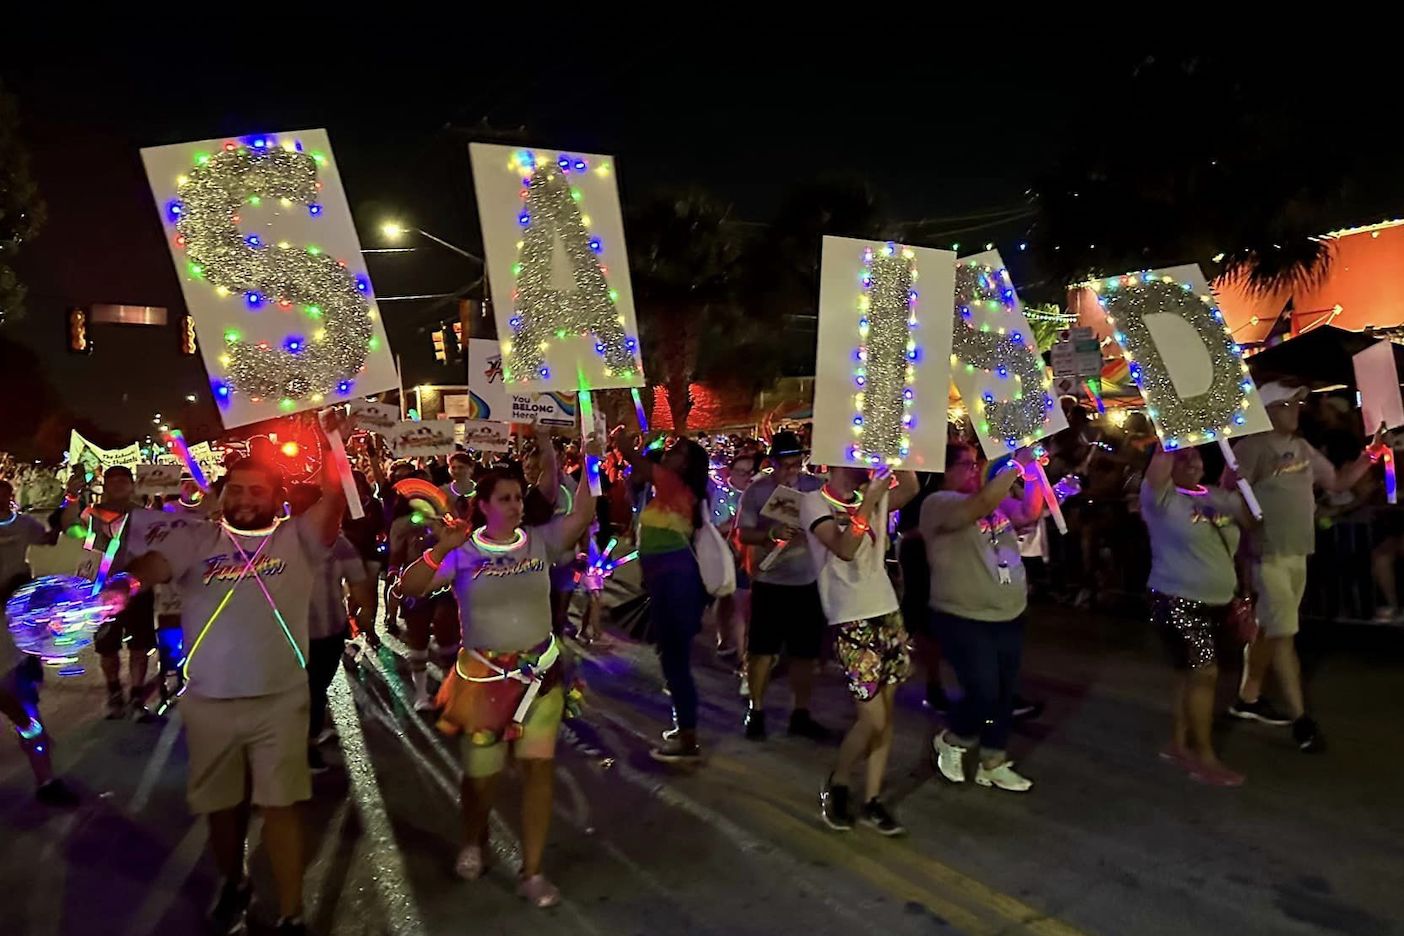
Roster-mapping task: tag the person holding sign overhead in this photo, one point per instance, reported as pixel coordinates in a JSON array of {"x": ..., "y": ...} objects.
[
  {"x": 846, "y": 520},
  {"x": 1284, "y": 469},
  {"x": 978, "y": 597},
  {"x": 1194, "y": 533}
]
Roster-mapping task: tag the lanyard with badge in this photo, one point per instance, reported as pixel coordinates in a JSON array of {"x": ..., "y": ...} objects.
[{"x": 994, "y": 527}]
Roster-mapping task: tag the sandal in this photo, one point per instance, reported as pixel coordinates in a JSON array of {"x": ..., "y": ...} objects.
[{"x": 538, "y": 891}]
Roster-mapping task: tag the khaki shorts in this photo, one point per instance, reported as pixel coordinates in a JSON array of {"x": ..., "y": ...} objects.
[
  {"x": 538, "y": 740},
  {"x": 1280, "y": 583},
  {"x": 235, "y": 744}
]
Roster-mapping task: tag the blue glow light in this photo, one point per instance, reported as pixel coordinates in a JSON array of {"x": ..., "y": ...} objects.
[
  {"x": 515, "y": 321},
  {"x": 857, "y": 420},
  {"x": 221, "y": 392},
  {"x": 173, "y": 209},
  {"x": 599, "y": 347},
  {"x": 253, "y": 298},
  {"x": 362, "y": 284},
  {"x": 314, "y": 209},
  {"x": 344, "y": 387},
  {"x": 253, "y": 241},
  {"x": 564, "y": 163},
  {"x": 545, "y": 372},
  {"x": 631, "y": 343},
  {"x": 1002, "y": 371},
  {"x": 523, "y": 219},
  {"x": 293, "y": 343},
  {"x": 259, "y": 142},
  {"x": 907, "y": 394},
  {"x": 595, "y": 245},
  {"x": 859, "y": 381}
]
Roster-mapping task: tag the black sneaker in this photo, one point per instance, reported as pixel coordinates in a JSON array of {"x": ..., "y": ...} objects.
[
  {"x": 804, "y": 726},
  {"x": 1024, "y": 710},
  {"x": 116, "y": 705},
  {"x": 875, "y": 816},
  {"x": 755, "y": 724},
  {"x": 1260, "y": 710},
  {"x": 315, "y": 761},
  {"x": 833, "y": 806},
  {"x": 1308, "y": 736},
  {"x": 291, "y": 927},
  {"x": 56, "y": 793},
  {"x": 231, "y": 907},
  {"x": 675, "y": 750}
]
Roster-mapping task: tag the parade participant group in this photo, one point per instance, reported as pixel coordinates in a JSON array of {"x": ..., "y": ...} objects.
[{"x": 786, "y": 547}]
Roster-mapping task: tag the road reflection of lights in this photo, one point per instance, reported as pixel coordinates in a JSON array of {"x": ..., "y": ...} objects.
[{"x": 382, "y": 853}]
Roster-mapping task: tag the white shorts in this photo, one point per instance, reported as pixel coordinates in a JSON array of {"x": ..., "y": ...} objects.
[
  {"x": 1280, "y": 584},
  {"x": 238, "y": 744}
]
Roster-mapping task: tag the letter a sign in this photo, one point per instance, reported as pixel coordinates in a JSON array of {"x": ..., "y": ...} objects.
[{"x": 557, "y": 268}]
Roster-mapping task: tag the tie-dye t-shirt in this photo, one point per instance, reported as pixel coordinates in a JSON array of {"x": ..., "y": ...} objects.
[{"x": 666, "y": 523}]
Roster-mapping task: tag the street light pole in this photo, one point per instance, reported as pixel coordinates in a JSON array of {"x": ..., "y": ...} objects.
[{"x": 395, "y": 229}]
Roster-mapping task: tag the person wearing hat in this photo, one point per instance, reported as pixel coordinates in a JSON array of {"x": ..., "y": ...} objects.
[
  {"x": 785, "y": 609},
  {"x": 1284, "y": 469}
]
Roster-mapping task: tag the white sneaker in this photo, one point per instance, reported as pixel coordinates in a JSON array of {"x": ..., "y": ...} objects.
[
  {"x": 745, "y": 687},
  {"x": 950, "y": 758},
  {"x": 422, "y": 702},
  {"x": 1004, "y": 776}
]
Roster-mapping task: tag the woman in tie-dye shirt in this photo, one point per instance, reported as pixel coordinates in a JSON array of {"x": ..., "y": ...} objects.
[{"x": 677, "y": 596}]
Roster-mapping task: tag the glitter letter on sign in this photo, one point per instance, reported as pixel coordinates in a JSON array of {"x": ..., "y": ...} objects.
[
  {"x": 997, "y": 367},
  {"x": 886, "y": 352},
  {"x": 561, "y": 290},
  {"x": 1228, "y": 404}
]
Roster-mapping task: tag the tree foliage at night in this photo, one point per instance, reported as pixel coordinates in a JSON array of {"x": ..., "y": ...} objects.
[
  {"x": 21, "y": 207},
  {"x": 1196, "y": 158}
]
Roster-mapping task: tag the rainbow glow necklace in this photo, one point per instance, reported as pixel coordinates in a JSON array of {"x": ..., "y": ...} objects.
[
  {"x": 841, "y": 505},
  {"x": 1198, "y": 490},
  {"x": 488, "y": 546}
]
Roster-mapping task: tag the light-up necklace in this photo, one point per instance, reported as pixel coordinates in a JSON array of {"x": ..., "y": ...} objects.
[
  {"x": 485, "y": 545},
  {"x": 14, "y": 515},
  {"x": 453, "y": 486},
  {"x": 1198, "y": 490},
  {"x": 190, "y": 504},
  {"x": 235, "y": 531},
  {"x": 841, "y": 505}
]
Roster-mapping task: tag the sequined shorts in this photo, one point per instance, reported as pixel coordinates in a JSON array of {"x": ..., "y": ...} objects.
[
  {"x": 1190, "y": 629},
  {"x": 873, "y": 653}
]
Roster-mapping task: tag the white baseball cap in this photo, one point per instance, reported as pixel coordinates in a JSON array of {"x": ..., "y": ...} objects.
[{"x": 1279, "y": 392}]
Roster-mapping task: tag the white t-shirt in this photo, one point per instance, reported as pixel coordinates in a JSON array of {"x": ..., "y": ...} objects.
[
  {"x": 859, "y": 589},
  {"x": 247, "y": 650}
]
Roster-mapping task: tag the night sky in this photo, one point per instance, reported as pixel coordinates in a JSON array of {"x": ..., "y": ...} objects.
[{"x": 934, "y": 140}]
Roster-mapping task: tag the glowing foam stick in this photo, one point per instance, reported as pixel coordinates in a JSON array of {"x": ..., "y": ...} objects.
[
  {"x": 1092, "y": 395},
  {"x": 342, "y": 465},
  {"x": 176, "y": 439},
  {"x": 1051, "y": 497},
  {"x": 1244, "y": 487},
  {"x": 1391, "y": 481},
  {"x": 639, "y": 409},
  {"x": 423, "y": 490},
  {"x": 773, "y": 555},
  {"x": 105, "y": 566},
  {"x": 587, "y": 427}
]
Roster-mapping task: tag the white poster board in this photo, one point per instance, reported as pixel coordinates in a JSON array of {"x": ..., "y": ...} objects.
[
  {"x": 422, "y": 438},
  {"x": 380, "y": 418},
  {"x": 481, "y": 435},
  {"x": 158, "y": 480},
  {"x": 883, "y": 364},
  {"x": 271, "y": 269},
  {"x": 553, "y": 233},
  {"x": 456, "y": 406},
  {"x": 1182, "y": 356},
  {"x": 1377, "y": 379},
  {"x": 489, "y": 398},
  {"x": 997, "y": 368},
  {"x": 81, "y": 451}
]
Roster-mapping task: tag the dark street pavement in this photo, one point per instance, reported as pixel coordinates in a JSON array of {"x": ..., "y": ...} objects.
[{"x": 1111, "y": 841}]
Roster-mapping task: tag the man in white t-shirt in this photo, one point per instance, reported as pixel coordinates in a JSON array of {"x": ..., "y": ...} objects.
[
  {"x": 846, "y": 520},
  {"x": 244, "y": 583}
]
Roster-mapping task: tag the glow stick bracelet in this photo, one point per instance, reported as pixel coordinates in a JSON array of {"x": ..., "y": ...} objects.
[
  {"x": 176, "y": 438},
  {"x": 587, "y": 427},
  {"x": 639, "y": 409},
  {"x": 342, "y": 464},
  {"x": 1244, "y": 487},
  {"x": 1051, "y": 496}
]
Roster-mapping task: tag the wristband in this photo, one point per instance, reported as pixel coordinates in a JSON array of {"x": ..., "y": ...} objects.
[
  {"x": 858, "y": 526},
  {"x": 429, "y": 560}
]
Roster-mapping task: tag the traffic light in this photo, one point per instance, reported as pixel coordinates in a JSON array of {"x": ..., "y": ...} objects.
[
  {"x": 187, "y": 334},
  {"x": 78, "y": 340},
  {"x": 440, "y": 352}
]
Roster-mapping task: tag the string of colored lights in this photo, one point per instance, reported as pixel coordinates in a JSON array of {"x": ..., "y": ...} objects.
[
  {"x": 1204, "y": 417},
  {"x": 206, "y": 218},
  {"x": 552, "y": 213},
  {"x": 886, "y": 356},
  {"x": 1022, "y": 413}
]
